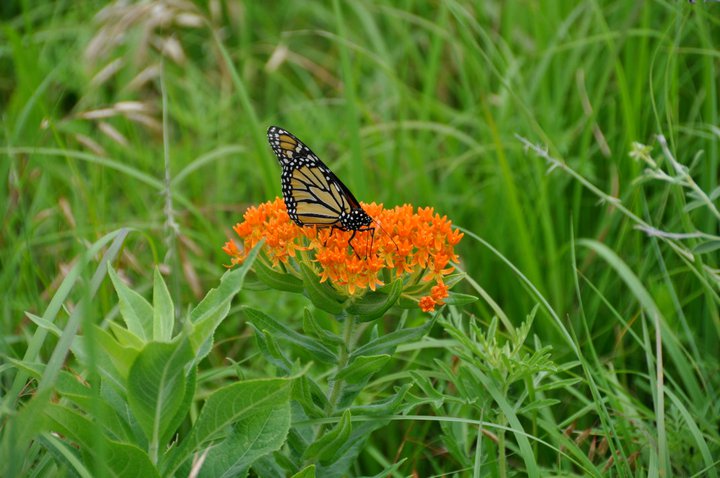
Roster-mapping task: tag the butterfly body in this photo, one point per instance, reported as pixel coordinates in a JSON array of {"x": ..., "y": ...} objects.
[{"x": 313, "y": 195}]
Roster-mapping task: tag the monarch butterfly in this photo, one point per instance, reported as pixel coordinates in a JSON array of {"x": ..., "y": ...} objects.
[{"x": 313, "y": 195}]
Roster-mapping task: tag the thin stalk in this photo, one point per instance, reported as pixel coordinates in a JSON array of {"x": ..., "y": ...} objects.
[
  {"x": 502, "y": 458},
  {"x": 336, "y": 385}
]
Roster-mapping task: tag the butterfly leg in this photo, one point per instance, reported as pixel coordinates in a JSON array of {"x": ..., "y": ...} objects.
[{"x": 350, "y": 243}]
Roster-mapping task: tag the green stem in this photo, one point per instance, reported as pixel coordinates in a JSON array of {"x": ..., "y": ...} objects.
[
  {"x": 502, "y": 460},
  {"x": 335, "y": 385}
]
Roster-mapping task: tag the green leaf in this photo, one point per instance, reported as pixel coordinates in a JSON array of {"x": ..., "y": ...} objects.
[
  {"x": 281, "y": 332},
  {"x": 127, "y": 338},
  {"x": 435, "y": 398},
  {"x": 714, "y": 194},
  {"x": 113, "y": 360},
  {"x": 387, "y": 343},
  {"x": 347, "y": 453},
  {"x": 692, "y": 205},
  {"x": 374, "y": 304},
  {"x": 134, "y": 309},
  {"x": 114, "y": 459},
  {"x": 262, "y": 432},
  {"x": 19, "y": 429},
  {"x": 456, "y": 298},
  {"x": 184, "y": 408},
  {"x": 390, "y": 470},
  {"x": 163, "y": 309},
  {"x": 363, "y": 367},
  {"x": 115, "y": 397},
  {"x": 557, "y": 385},
  {"x": 386, "y": 407},
  {"x": 233, "y": 407},
  {"x": 525, "y": 450},
  {"x": 707, "y": 246},
  {"x": 538, "y": 404},
  {"x": 277, "y": 280},
  {"x": 325, "y": 450},
  {"x": 37, "y": 342},
  {"x": 271, "y": 350},
  {"x": 312, "y": 327},
  {"x": 322, "y": 294},
  {"x": 102, "y": 362},
  {"x": 66, "y": 382},
  {"x": 71, "y": 387},
  {"x": 310, "y": 397},
  {"x": 65, "y": 454},
  {"x": 156, "y": 385},
  {"x": 268, "y": 466},
  {"x": 307, "y": 472},
  {"x": 208, "y": 314},
  {"x": 44, "y": 324}
]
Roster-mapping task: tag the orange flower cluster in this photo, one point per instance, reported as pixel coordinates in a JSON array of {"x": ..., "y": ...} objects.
[{"x": 419, "y": 245}]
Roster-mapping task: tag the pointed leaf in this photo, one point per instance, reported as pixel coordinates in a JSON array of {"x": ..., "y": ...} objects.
[
  {"x": 260, "y": 433},
  {"x": 163, "y": 309},
  {"x": 281, "y": 332},
  {"x": 456, "y": 298},
  {"x": 347, "y": 453},
  {"x": 307, "y": 472},
  {"x": 435, "y": 398},
  {"x": 127, "y": 338},
  {"x": 184, "y": 408},
  {"x": 44, "y": 324},
  {"x": 325, "y": 449},
  {"x": 156, "y": 385},
  {"x": 277, "y": 280},
  {"x": 322, "y": 294},
  {"x": 309, "y": 395},
  {"x": 208, "y": 314},
  {"x": 134, "y": 309},
  {"x": 386, "y": 407},
  {"x": 25, "y": 425},
  {"x": 390, "y": 470},
  {"x": 271, "y": 350},
  {"x": 312, "y": 327},
  {"x": 538, "y": 404},
  {"x": 363, "y": 367},
  {"x": 374, "y": 304},
  {"x": 112, "y": 360},
  {"x": 230, "y": 406},
  {"x": 115, "y": 459},
  {"x": 707, "y": 246},
  {"x": 71, "y": 387},
  {"x": 387, "y": 343}
]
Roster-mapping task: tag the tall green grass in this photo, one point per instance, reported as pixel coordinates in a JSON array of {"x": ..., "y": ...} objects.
[{"x": 515, "y": 119}]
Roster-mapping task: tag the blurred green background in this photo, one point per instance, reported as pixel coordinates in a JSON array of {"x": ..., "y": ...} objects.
[{"x": 152, "y": 115}]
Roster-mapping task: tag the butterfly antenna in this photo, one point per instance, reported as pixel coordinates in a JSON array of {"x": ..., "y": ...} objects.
[{"x": 388, "y": 235}]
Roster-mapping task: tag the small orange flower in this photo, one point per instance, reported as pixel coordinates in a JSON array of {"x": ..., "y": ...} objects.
[
  {"x": 416, "y": 246},
  {"x": 427, "y": 304}
]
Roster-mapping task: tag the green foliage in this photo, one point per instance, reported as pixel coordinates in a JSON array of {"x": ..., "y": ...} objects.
[
  {"x": 133, "y": 135},
  {"x": 123, "y": 419}
]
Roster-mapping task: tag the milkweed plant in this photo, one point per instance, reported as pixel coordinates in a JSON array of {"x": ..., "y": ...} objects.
[{"x": 405, "y": 264}]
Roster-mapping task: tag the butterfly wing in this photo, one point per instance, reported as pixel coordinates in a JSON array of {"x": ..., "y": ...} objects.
[{"x": 312, "y": 193}]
